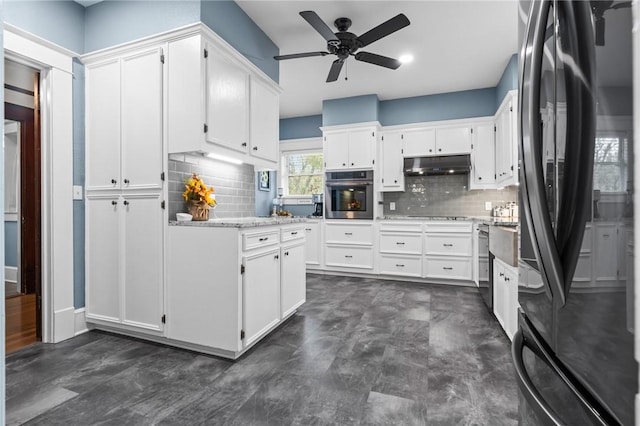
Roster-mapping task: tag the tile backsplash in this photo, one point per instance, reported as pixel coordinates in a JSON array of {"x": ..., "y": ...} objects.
[
  {"x": 234, "y": 185},
  {"x": 446, "y": 195}
]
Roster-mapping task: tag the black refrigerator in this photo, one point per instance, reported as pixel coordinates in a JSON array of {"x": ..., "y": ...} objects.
[{"x": 574, "y": 350}]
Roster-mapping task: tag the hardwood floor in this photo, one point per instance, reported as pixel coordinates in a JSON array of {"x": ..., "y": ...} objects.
[
  {"x": 20, "y": 327},
  {"x": 360, "y": 351}
]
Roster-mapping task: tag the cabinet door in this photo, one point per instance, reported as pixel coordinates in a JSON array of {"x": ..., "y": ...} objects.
[
  {"x": 103, "y": 125},
  {"x": 336, "y": 151},
  {"x": 264, "y": 121},
  {"x": 392, "y": 162},
  {"x": 606, "y": 247},
  {"x": 419, "y": 143},
  {"x": 227, "y": 103},
  {"x": 142, "y": 120},
  {"x": 102, "y": 257},
  {"x": 293, "y": 279},
  {"x": 453, "y": 140},
  {"x": 142, "y": 258},
  {"x": 504, "y": 144},
  {"x": 260, "y": 294},
  {"x": 483, "y": 156},
  {"x": 511, "y": 301},
  {"x": 312, "y": 243},
  {"x": 362, "y": 149},
  {"x": 499, "y": 296}
]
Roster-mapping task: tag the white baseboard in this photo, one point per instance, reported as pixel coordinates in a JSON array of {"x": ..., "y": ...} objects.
[
  {"x": 64, "y": 324},
  {"x": 11, "y": 274},
  {"x": 80, "y": 321}
]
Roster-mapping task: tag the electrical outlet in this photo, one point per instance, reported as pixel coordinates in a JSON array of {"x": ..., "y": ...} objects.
[
  {"x": 392, "y": 205},
  {"x": 487, "y": 206},
  {"x": 77, "y": 192}
]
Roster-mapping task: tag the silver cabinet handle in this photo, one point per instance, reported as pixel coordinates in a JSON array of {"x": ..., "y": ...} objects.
[
  {"x": 348, "y": 256},
  {"x": 399, "y": 265},
  {"x": 400, "y": 243},
  {"x": 348, "y": 233},
  {"x": 307, "y": 229},
  {"x": 448, "y": 245},
  {"x": 114, "y": 203},
  {"x": 126, "y": 181},
  {"x": 113, "y": 181},
  {"x": 263, "y": 239},
  {"x": 294, "y": 233},
  {"x": 276, "y": 257},
  {"x": 126, "y": 203},
  {"x": 605, "y": 235},
  {"x": 447, "y": 268},
  {"x": 255, "y": 148}
]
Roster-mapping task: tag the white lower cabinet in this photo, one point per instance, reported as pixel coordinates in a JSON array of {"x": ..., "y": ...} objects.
[
  {"x": 448, "y": 249},
  {"x": 452, "y": 268},
  {"x": 293, "y": 291},
  {"x": 393, "y": 264},
  {"x": 400, "y": 249},
  {"x": 260, "y": 294},
  {"x": 313, "y": 246},
  {"x": 228, "y": 287},
  {"x": 124, "y": 261},
  {"x": 505, "y": 296},
  {"x": 349, "y": 244}
]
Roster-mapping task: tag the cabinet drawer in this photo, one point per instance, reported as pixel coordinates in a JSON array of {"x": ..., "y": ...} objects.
[
  {"x": 449, "y": 268},
  {"x": 412, "y": 226},
  {"x": 450, "y": 226},
  {"x": 410, "y": 266},
  {"x": 349, "y": 257},
  {"x": 252, "y": 240},
  {"x": 394, "y": 242},
  {"x": 448, "y": 244},
  {"x": 338, "y": 233},
  {"x": 292, "y": 233}
]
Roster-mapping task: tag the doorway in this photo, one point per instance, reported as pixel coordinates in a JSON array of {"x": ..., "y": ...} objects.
[{"x": 23, "y": 230}]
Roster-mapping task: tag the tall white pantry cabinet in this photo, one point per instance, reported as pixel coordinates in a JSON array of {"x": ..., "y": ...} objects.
[{"x": 124, "y": 189}]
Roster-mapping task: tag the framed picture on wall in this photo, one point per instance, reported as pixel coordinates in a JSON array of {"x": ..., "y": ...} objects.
[{"x": 264, "y": 181}]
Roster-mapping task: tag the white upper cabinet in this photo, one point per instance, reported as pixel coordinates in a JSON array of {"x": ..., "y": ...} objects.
[
  {"x": 392, "y": 162},
  {"x": 453, "y": 140},
  {"x": 227, "y": 102},
  {"x": 506, "y": 142},
  {"x": 124, "y": 122},
  {"x": 350, "y": 148},
  {"x": 419, "y": 143},
  {"x": 218, "y": 102},
  {"x": 265, "y": 120},
  {"x": 483, "y": 166},
  {"x": 103, "y": 125}
]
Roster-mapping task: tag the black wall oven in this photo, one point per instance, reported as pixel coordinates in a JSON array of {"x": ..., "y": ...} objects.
[{"x": 349, "y": 195}]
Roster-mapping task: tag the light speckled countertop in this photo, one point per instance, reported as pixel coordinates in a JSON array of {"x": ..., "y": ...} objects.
[
  {"x": 241, "y": 222},
  {"x": 489, "y": 220}
]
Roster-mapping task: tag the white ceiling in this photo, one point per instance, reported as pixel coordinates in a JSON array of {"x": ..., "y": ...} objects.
[{"x": 457, "y": 45}]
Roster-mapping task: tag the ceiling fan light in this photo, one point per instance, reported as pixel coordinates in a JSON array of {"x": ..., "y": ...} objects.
[{"x": 406, "y": 58}]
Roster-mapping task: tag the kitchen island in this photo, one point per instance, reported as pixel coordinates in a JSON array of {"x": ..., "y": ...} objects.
[{"x": 232, "y": 281}]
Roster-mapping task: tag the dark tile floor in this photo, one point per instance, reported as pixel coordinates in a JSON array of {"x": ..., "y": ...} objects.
[{"x": 360, "y": 351}]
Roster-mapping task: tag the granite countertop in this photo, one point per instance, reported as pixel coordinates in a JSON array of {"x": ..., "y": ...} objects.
[
  {"x": 241, "y": 222},
  {"x": 488, "y": 220}
]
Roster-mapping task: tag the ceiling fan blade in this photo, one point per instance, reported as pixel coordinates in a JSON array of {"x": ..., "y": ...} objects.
[
  {"x": 391, "y": 26},
  {"x": 334, "y": 72},
  {"x": 300, "y": 55},
  {"x": 318, "y": 24},
  {"x": 374, "y": 59}
]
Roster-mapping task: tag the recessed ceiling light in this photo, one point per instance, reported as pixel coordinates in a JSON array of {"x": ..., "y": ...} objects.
[{"x": 405, "y": 59}]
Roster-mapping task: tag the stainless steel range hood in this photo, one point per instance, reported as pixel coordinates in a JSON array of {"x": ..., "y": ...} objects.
[{"x": 445, "y": 165}]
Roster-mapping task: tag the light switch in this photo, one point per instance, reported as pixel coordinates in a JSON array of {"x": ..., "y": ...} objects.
[
  {"x": 487, "y": 205},
  {"x": 392, "y": 205},
  {"x": 77, "y": 192}
]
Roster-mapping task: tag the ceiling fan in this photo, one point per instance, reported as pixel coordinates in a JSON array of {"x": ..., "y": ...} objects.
[{"x": 344, "y": 44}]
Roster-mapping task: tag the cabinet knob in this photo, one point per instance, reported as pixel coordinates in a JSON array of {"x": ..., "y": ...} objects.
[
  {"x": 255, "y": 148},
  {"x": 395, "y": 181},
  {"x": 439, "y": 149},
  {"x": 352, "y": 164},
  {"x": 344, "y": 164},
  {"x": 479, "y": 177},
  {"x": 126, "y": 181},
  {"x": 286, "y": 253},
  {"x": 113, "y": 181},
  {"x": 276, "y": 257},
  {"x": 294, "y": 233},
  {"x": 307, "y": 229},
  {"x": 507, "y": 279},
  {"x": 430, "y": 150},
  {"x": 244, "y": 144},
  {"x": 114, "y": 203},
  {"x": 125, "y": 202},
  {"x": 501, "y": 274}
]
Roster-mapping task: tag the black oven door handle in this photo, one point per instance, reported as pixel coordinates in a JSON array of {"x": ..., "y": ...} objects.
[{"x": 346, "y": 183}]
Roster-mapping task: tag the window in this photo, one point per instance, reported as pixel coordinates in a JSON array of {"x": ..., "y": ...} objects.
[
  {"x": 302, "y": 173},
  {"x": 610, "y": 163}
]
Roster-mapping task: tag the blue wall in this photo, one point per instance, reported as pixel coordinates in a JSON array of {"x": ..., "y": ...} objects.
[
  {"x": 445, "y": 106},
  {"x": 231, "y": 23},
  {"x": 10, "y": 243},
  {"x": 113, "y": 22},
  {"x": 61, "y": 22},
  {"x": 356, "y": 109},
  {"x": 78, "y": 179},
  {"x": 301, "y": 127},
  {"x": 264, "y": 199},
  {"x": 508, "y": 81}
]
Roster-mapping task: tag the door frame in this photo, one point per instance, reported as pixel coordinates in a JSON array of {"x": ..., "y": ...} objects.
[{"x": 55, "y": 65}]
